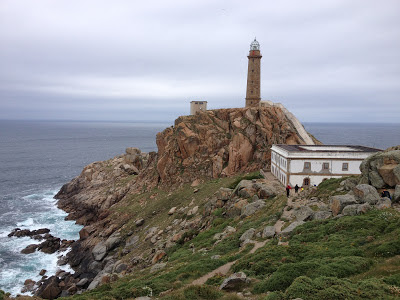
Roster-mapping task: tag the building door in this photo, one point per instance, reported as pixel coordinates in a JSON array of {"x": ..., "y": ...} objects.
[{"x": 306, "y": 181}]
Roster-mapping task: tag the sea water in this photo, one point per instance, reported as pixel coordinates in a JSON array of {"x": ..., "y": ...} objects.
[{"x": 37, "y": 158}]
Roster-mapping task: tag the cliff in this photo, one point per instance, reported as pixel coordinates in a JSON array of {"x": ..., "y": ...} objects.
[
  {"x": 211, "y": 144},
  {"x": 137, "y": 206},
  {"x": 224, "y": 142}
]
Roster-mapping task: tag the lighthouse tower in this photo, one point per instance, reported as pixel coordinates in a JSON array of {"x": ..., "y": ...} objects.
[{"x": 253, "y": 96}]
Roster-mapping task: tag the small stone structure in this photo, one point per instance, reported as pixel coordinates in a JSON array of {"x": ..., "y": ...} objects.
[{"x": 197, "y": 106}]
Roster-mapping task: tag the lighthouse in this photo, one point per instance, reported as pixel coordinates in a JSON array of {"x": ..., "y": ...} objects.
[{"x": 253, "y": 95}]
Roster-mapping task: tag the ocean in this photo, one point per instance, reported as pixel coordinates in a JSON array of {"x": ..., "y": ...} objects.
[{"x": 38, "y": 157}]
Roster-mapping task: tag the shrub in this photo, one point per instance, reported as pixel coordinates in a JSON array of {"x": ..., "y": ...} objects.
[
  {"x": 216, "y": 280},
  {"x": 330, "y": 288},
  {"x": 393, "y": 280},
  {"x": 338, "y": 267},
  {"x": 201, "y": 292}
]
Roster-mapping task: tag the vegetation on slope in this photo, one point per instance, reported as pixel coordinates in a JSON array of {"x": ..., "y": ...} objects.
[{"x": 353, "y": 257}]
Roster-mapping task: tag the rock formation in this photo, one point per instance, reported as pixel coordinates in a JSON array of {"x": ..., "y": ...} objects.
[
  {"x": 207, "y": 145},
  {"x": 224, "y": 142},
  {"x": 382, "y": 170}
]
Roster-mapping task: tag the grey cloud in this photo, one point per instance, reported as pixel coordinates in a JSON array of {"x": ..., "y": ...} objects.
[{"x": 325, "y": 60}]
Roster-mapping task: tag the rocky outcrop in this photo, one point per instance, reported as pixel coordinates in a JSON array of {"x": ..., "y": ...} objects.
[
  {"x": 222, "y": 142},
  {"x": 360, "y": 200},
  {"x": 382, "y": 169},
  {"x": 88, "y": 197},
  {"x": 207, "y": 145},
  {"x": 235, "y": 282}
]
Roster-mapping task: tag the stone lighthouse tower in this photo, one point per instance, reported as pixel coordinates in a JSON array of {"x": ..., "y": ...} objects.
[{"x": 253, "y": 96}]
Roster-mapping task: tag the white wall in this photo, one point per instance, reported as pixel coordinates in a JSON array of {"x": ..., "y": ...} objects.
[
  {"x": 335, "y": 166},
  {"x": 314, "y": 179}
]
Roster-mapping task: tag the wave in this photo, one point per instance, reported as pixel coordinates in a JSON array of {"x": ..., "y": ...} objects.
[{"x": 35, "y": 210}]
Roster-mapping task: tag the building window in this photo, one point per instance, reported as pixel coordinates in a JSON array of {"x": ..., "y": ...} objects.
[
  {"x": 345, "y": 166},
  {"x": 252, "y": 92},
  {"x": 307, "y": 165},
  {"x": 306, "y": 181},
  {"x": 325, "y": 166},
  {"x": 252, "y": 70}
]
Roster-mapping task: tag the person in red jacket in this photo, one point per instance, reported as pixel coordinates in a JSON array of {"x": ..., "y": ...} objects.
[{"x": 288, "y": 188}]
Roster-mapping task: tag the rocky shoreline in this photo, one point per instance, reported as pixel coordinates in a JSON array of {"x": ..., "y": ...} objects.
[
  {"x": 132, "y": 214},
  {"x": 208, "y": 145}
]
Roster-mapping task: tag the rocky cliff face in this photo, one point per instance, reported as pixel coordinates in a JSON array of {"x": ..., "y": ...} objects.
[
  {"x": 211, "y": 144},
  {"x": 222, "y": 143}
]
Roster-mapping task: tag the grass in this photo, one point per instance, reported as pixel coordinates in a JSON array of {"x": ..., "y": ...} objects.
[
  {"x": 328, "y": 188},
  {"x": 337, "y": 249},
  {"x": 354, "y": 257}
]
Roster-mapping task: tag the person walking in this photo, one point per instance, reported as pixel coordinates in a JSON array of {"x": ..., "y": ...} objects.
[
  {"x": 296, "y": 188},
  {"x": 288, "y": 188}
]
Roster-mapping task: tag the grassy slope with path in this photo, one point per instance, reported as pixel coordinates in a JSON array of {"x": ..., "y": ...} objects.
[{"x": 354, "y": 257}]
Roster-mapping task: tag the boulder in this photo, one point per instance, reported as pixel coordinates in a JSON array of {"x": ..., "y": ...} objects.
[
  {"x": 224, "y": 194},
  {"x": 349, "y": 183},
  {"x": 245, "y": 189},
  {"x": 382, "y": 169},
  {"x": 351, "y": 210},
  {"x": 291, "y": 227},
  {"x": 193, "y": 211},
  {"x": 221, "y": 235},
  {"x": 234, "y": 282},
  {"x": 131, "y": 242},
  {"x": 120, "y": 267},
  {"x": 29, "y": 285},
  {"x": 82, "y": 283},
  {"x": 130, "y": 169},
  {"x": 157, "y": 267},
  {"x": 363, "y": 208},
  {"x": 322, "y": 215},
  {"x": 303, "y": 213},
  {"x": 247, "y": 235},
  {"x": 29, "y": 249},
  {"x": 366, "y": 193},
  {"x": 269, "y": 232},
  {"x": 139, "y": 222},
  {"x": 42, "y": 272},
  {"x": 113, "y": 241},
  {"x": 338, "y": 202},
  {"x": 390, "y": 173},
  {"x": 396, "y": 195},
  {"x": 49, "y": 289},
  {"x": 252, "y": 208},
  {"x": 266, "y": 192},
  {"x": 172, "y": 210},
  {"x": 376, "y": 179},
  {"x": 383, "y": 203},
  {"x": 50, "y": 245},
  {"x": 158, "y": 256},
  {"x": 99, "y": 251}
]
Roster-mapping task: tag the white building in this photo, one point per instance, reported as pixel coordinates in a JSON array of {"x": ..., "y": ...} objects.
[{"x": 306, "y": 165}]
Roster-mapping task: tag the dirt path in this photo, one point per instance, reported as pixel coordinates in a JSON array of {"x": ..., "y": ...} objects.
[{"x": 223, "y": 270}]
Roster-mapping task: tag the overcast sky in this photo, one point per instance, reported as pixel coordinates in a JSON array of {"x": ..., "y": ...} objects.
[{"x": 329, "y": 61}]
